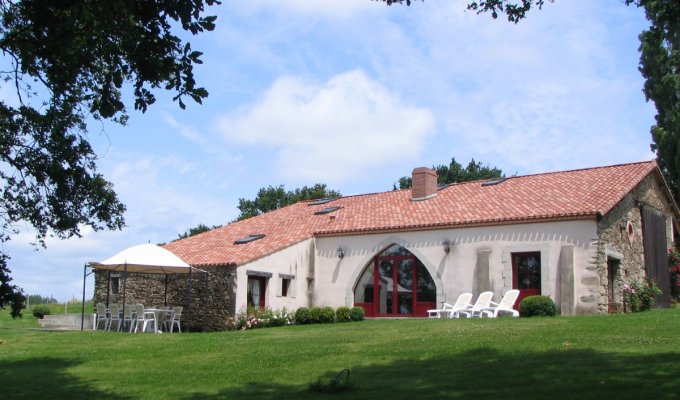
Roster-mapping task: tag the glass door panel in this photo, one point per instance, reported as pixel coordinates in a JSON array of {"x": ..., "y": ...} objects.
[
  {"x": 405, "y": 287},
  {"x": 385, "y": 285}
]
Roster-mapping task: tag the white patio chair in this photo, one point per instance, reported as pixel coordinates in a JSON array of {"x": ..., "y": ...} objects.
[
  {"x": 101, "y": 316},
  {"x": 452, "y": 310},
  {"x": 437, "y": 313},
  {"x": 128, "y": 318},
  {"x": 483, "y": 302},
  {"x": 114, "y": 317},
  {"x": 144, "y": 317},
  {"x": 174, "y": 319},
  {"x": 505, "y": 306}
]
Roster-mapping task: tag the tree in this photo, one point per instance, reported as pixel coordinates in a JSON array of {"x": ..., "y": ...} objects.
[
  {"x": 454, "y": 172},
  {"x": 659, "y": 65},
  {"x": 196, "y": 230},
  {"x": 69, "y": 63},
  {"x": 272, "y": 198}
]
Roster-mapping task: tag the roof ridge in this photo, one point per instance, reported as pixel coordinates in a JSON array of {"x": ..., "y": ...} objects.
[{"x": 584, "y": 169}]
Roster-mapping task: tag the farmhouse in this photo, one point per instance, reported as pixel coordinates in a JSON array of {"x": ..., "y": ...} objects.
[{"x": 577, "y": 236}]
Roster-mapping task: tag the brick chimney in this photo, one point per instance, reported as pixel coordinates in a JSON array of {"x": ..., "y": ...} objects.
[{"x": 424, "y": 184}]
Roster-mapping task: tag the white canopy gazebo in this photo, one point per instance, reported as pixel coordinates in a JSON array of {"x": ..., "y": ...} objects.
[{"x": 143, "y": 258}]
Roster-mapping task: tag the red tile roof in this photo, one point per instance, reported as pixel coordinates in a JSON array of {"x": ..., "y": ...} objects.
[{"x": 577, "y": 194}]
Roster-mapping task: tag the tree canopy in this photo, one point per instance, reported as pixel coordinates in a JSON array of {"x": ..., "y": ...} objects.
[
  {"x": 454, "y": 172},
  {"x": 201, "y": 228},
  {"x": 659, "y": 65},
  {"x": 70, "y": 63},
  {"x": 272, "y": 198}
]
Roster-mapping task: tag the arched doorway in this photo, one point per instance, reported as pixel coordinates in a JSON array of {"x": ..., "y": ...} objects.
[{"x": 395, "y": 284}]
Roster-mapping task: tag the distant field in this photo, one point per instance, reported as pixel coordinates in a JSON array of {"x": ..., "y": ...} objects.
[{"x": 631, "y": 356}]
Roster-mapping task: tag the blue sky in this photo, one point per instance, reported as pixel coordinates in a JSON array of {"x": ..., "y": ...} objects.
[{"x": 355, "y": 94}]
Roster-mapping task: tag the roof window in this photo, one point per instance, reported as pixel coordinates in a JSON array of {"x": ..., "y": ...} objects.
[
  {"x": 250, "y": 238},
  {"x": 319, "y": 202},
  {"x": 494, "y": 181},
  {"x": 327, "y": 210}
]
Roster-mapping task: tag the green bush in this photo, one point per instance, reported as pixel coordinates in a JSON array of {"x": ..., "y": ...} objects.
[
  {"x": 342, "y": 314},
  {"x": 640, "y": 296},
  {"x": 327, "y": 315},
  {"x": 303, "y": 316},
  {"x": 537, "y": 306},
  {"x": 356, "y": 313},
  {"x": 40, "y": 311},
  {"x": 315, "y": 315}
]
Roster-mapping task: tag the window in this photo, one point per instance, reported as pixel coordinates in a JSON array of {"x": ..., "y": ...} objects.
[
  {"x": 327, "y": 210},
  {"x": 257, "y": 289},
  {"x": 320, "y": 201},
  {"x": 494, "y": 181},
  {"x": 115, "y": 285},
  {"x": 250, "y": 238},
  {"x": 286, "y": 286}
]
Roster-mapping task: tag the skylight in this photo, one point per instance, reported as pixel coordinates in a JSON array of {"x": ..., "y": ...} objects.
[
  {"x": 250, "y": 238},
  {"x": 327, "y": 210},
  {"x": 318, "y": 202},
  {"x": 494, "y": 181}
]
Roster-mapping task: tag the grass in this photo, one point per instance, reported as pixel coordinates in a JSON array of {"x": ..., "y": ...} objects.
[{"x": 627, "y": 356}]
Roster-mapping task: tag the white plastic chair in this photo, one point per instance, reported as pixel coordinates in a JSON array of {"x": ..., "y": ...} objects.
[
  {"x": 114, "y": 317},
  {"x": 173, "y": 318},
  {"x": 144, "y": 317},
  {"x": 101, "y": 316},
  {"x": 452, "y": 310},
  {"x": 483, "y": 302},
  {"x": 128, "y": 318},
  {"x": 505, "y": 306}
]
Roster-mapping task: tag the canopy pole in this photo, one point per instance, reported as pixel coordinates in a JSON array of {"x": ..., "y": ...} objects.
[
  {"x": 108, "y": 288},
  {"x": 82, "y": 312},
  {"x": 165, "y": 298},
  {"x": 205, "y": 301},
  {"x": 191, "y": 314},
  {"x": 124, "y": 290}
]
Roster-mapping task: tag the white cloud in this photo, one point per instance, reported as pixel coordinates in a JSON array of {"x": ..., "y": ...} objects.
[{"x": 332, "y": 131}]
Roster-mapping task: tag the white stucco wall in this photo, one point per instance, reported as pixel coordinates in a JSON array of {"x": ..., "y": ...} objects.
[
  {"x": 291, "y": 261},
  {"x": 315, "y": 262},
  {"x": 455, "y": 273}
]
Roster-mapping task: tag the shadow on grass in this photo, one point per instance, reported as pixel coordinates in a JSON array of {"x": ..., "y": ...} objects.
[
  {"x": 491, "y": 374},
  {"x": 46, "y": 378}
]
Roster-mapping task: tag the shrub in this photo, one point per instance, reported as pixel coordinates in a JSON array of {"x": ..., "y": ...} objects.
[
  {"x": 327, "y": 315},
  {"x": 40, "y": 311},
  {"x": 342, "y": 314},
  {"x": 356, "y": 313},
  {"x": 252, "y": 318},
  {"x": 674, "y": 270},
  {"x": 315, "y": 315},
  {"x": 537, "y": 306},
  {"x": 303, "y": 316},
  {"x": 245, "y": 319},
  {"x": 640, "y": 296},
  {"x": 282, "y": 318}
]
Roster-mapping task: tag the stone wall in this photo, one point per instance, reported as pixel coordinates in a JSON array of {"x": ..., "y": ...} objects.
[
  {"x": 620, "y": 238},
  {"x": 208, "y": 303}
]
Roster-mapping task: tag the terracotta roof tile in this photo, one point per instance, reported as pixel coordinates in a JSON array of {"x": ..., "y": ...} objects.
[{"x": 584, "y": 193}]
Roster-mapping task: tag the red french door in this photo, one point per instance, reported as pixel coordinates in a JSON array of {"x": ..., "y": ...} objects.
[
  {"x": 395, "y": 284},
  {"x": 526, "y": 274}
]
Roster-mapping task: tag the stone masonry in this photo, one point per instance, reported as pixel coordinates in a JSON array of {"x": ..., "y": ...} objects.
[
  {"x": 208, "y": 301},
  {"x": 620, "y": 237}
]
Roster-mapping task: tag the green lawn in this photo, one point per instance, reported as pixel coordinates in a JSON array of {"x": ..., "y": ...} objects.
[{"x": 630, "y": 356}]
